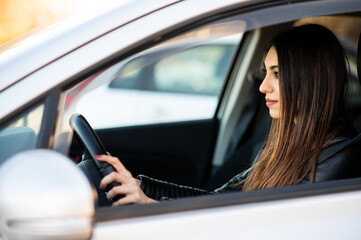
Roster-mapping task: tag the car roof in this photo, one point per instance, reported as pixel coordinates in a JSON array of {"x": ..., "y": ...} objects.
[
  {"x": 20, "y": 59},
  {"x": 17, "y": 57}
]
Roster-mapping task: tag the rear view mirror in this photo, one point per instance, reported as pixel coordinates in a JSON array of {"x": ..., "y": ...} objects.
[{"x": 44, "y": 195}]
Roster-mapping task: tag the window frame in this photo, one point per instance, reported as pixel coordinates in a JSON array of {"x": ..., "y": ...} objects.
[
  {"x": 212, "y": 202},
  {"x": 299, "y": 191},
  {"x": 47, "y": 125}
]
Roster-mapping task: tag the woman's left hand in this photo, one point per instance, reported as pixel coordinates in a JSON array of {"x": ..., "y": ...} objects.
[{"x": 130, "y": 187}]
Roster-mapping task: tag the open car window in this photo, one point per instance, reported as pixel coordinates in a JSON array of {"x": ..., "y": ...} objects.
[
  {"x": 178, "y": 80},
  {"x": 199, "y": 70},
  {"x": 161, "y": 73}
]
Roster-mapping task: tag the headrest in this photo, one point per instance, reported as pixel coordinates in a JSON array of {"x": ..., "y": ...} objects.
[{"x": 14, "y": 140}]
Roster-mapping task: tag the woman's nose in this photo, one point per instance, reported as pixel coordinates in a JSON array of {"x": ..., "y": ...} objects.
[{"x": 265, "y": 86}]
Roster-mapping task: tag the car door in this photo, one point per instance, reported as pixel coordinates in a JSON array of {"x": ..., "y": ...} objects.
[
  {"x": 170, "y": 149},
  {"x": 281, "y": 212}
]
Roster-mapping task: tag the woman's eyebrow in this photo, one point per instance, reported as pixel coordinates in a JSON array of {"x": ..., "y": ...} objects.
[{"x": 273, "y": 67}]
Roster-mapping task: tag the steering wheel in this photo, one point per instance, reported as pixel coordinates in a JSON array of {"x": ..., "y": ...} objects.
[{"x": 92, "y": 146}]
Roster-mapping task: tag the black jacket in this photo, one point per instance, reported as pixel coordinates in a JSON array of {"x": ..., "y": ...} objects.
[{"x": 344, "y": 164}]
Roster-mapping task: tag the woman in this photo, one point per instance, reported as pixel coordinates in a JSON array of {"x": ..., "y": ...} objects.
[{"x": 305, "y": 90}]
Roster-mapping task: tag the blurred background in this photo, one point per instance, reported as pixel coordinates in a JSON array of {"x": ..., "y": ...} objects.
[{"x": 18, "y": 17}]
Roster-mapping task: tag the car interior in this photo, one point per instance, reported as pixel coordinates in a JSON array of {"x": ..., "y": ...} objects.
[{"x": 185, "y": 152}]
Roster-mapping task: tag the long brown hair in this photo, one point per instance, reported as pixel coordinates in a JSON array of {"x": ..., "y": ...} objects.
[{"x": 313, "y": 80}]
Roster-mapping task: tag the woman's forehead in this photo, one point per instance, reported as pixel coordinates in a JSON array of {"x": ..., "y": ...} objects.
[{"x": 271, "y": 59}]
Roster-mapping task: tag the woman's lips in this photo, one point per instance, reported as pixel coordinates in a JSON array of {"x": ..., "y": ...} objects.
[{"x": 270, "y": 102}]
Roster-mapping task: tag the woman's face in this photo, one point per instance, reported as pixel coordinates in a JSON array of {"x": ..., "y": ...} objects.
[{"x": 270, "y": 85}]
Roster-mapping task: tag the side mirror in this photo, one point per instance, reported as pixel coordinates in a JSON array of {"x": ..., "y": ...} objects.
[{"x": 44, "y": 195}]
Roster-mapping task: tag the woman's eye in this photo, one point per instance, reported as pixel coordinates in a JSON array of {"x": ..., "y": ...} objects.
[{"x": 276, "y": 75}]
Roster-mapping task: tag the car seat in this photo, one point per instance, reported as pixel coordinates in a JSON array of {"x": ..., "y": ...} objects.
[{"x": 246, "y": 146}]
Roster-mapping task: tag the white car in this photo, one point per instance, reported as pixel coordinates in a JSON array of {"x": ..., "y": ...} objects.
[
  {"x": 173, "y": 82},
  {"x": 44, "y": 194}
]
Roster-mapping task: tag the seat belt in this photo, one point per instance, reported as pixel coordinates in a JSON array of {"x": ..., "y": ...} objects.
[
  {"x": 338, "y": 147},
  {"x": 243, "y": 123}
]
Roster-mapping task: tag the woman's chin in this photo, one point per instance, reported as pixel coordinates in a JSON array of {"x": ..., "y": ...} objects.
[{"x": 274, "y": 114}]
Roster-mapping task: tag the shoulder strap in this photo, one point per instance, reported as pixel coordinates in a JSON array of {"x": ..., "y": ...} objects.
[
  {"x": 243, "y": 123},
  {"x": 338, "y": 147}
]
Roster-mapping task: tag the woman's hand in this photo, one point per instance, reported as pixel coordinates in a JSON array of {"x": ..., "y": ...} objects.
[{"x": 130, "y": 186}]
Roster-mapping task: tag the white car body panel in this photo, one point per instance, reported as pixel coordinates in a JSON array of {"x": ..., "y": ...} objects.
[
  {"x": 148, "y": 110},
  {"x": 73, "y": 32},
  {"x": 334, "y": 216}
]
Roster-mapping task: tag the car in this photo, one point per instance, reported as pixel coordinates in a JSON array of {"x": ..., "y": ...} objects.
[
  {"x": 149, "y": 81},
  {"x": 45, "y": 193}
]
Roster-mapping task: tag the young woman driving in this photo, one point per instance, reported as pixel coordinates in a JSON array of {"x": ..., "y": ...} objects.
[{"x": 305, "y": 90}]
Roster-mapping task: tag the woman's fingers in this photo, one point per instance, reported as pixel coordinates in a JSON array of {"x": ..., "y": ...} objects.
[
  {"x": 132, "y": 192},
  {"x": 122, "y": 189},
  {"x": 132, "y": 195},
  {"x": 113, "y": 177},
  {"x": 130, "y": 187},
  {"x": 123, "y": 201},
  {"x": 119, "y": 167}
]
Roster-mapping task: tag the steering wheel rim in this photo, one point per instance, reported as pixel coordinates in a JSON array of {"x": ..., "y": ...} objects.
[{"x": 92, "y": 146}]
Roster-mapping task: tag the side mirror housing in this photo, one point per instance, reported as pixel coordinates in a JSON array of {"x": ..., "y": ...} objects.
[{"x": 44, "y": 195}]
